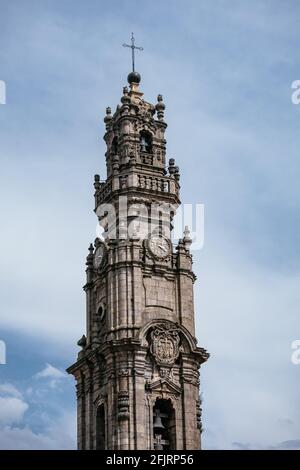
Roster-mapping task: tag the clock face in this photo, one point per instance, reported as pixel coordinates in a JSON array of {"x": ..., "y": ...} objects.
[
  {"x": 98, "y": 257},
  {"x": 159, "y": 246}
]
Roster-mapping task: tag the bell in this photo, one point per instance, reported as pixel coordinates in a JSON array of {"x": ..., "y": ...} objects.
[{"x": 157, "y": 421}]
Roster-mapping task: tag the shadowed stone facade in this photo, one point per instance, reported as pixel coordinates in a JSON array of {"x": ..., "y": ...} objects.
[{"x": 137, "y": 372}]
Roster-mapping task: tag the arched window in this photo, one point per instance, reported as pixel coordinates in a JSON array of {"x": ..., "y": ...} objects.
[
  {"x": 145, "y": 142},
  {"x": 164, "y": 427},
  {"x": 100, "y": 428}
]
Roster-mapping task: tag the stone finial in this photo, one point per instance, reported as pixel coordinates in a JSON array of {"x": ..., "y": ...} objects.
[
  {"x": 160, "y": 108},
  {"x": 96, "y": 182},
  {"x": 171, "y": 167},
  {"x": 90, "y": 256},
  {"x": 108, "y": 117},
  {"x": 134, "y": 77},
  {"x": 187, "y": 241},
  {"x": 176, "y": 173},
  {"x": 125, "y": 100}
]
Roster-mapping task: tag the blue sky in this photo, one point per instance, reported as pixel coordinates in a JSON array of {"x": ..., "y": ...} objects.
[{"x": 225, "y": 70}]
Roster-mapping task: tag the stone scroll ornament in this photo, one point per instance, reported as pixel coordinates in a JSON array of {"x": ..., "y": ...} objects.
[{"x": 165, "y": 344}]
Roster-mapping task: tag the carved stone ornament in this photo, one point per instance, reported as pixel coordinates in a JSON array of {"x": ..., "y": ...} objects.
[
  {"x": 123, "y": 404},
  {"x": 165, "y": 344}
]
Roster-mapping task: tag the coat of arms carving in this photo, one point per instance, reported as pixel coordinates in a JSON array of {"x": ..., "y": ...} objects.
[{"x": 164, "y": 346}]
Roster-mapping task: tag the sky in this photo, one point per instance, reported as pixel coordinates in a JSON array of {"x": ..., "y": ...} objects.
[{"x": 225, "y": 70}]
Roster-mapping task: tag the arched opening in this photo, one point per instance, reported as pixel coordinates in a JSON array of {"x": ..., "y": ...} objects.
[
  {"x": 100, "y": 428},
  {"x": 164, "y": 427},
  {"x": 146, "y": 142}
]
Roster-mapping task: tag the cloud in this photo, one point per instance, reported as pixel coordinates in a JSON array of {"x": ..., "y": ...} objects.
[
  {"x": 293, "y": 444},
  {"x": 10, "y": 390},
  {"x": 12, "y": 410},
  {"x": 54, "y": 375},
  {"x": 289, "y": 445},
  {"x": 58, "y": 435},
  {"x": 32, "y": 424},
  {"x": 50, "y": 372},
  {"x": 12, "y": 405},
  {"x": 240, "y": 446}
]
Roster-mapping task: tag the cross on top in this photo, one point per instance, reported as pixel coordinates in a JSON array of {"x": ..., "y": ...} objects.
[{"x": 133, "y": 47}]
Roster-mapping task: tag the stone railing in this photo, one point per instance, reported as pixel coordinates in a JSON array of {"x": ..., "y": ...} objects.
[
  {"x": 103, "y": 191},
  {"x": 153, "y": 183}
]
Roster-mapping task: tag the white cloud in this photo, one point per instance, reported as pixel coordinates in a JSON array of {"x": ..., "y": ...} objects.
[
  {"x": 12, "y": 410},
  {"x": 59, "y": 435},
  {"x": 9, "y": 389},
  {"x": 16, "y": 428},
  {"x": 12, "y": 405},
  {"x": 51, "y": 372}
]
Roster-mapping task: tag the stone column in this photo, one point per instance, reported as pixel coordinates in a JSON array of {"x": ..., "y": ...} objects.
[
  {"x": 80, "y": 411},
  {"x": 190, "y": 394},
  {"x": 123, "y": 410},
  {"x": 139, "y": 400}
]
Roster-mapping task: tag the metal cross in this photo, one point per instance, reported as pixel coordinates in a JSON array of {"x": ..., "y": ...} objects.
[{"x": 133, "y": 46}]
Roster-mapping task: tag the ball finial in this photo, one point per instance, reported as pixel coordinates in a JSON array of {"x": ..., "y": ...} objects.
[{"x": 134, "y": 77}]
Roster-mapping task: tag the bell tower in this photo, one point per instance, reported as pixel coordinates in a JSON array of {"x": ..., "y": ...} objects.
[{"x": 137, "y": 373}]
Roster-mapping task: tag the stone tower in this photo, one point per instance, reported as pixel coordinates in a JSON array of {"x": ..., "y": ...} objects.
[{"x": 137, "y": 372}]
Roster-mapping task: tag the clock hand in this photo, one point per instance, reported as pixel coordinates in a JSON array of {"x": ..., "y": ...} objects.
[{"x": 163, "y": 248}]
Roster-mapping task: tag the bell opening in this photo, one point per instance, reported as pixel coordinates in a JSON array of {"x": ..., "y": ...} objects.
[{"x": 164, "y": 428}]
